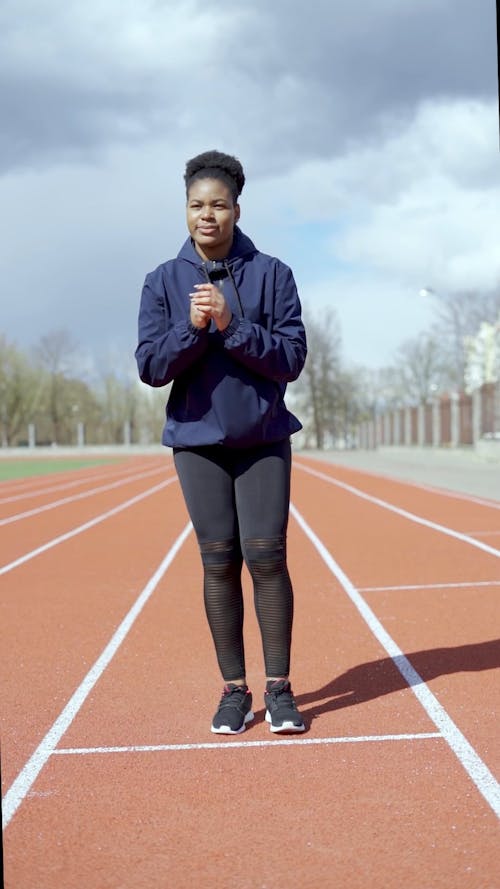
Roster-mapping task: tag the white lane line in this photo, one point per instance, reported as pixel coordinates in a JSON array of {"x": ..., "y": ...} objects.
[
  {"x": 78, "y": 530},
  {"x": 223, "y": 745},
  {"x": 430, "y": 586},
  {"x": 28, "y": 775},
  {"x": 37, "y": 492},
  {"x": 443, "y": 529},
  {"x": 74, "y": 497},
  {"x": 479, "y": 773},
  {"x": 444, "y": 492}
]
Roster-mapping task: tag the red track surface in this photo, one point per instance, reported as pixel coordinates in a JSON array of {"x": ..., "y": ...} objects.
[{"x": 390, "y": 786}]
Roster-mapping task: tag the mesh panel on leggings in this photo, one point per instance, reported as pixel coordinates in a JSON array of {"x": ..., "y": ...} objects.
[
  {"x": 273, "y": 595},
  {"x": 222, "y": 561}
]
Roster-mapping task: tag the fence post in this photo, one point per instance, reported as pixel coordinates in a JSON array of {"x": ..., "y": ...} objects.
[
  {"x": 126, "y": 432},
  {"x": 387, "y": 429},
  {"x": 476, "y": 416},
  {"x": 372, "y": 442},
  {"x": 421, "y": 425},
  {"x": 436, "y": 423},
  {"x": 397, "y": 426},
  {"x": 454, "y": 419},
  {"x": 80, "y": 434},
  {"x": 407, "y": 425},
  {"x": 31, "y": 435}
]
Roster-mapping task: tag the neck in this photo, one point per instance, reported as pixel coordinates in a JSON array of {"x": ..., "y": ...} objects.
[{"x": 216, "y": 253}]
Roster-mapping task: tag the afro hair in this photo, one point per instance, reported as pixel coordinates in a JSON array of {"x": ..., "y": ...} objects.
[{"x": 216, "y": 165}]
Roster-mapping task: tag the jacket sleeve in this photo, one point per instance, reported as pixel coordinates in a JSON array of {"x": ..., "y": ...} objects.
[
  {"x": 165, "y": 348},
  {"x": 278, "y": 354}
]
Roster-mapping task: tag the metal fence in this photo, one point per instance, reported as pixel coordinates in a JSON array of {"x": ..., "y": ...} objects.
[{"x": 451, "y": 420}]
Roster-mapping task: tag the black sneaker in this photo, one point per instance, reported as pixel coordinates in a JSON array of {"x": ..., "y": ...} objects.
[
  {"x": 281, "y": 709},
  {"x": 235, "y": 710}
]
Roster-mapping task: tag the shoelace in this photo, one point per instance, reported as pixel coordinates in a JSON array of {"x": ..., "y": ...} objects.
[
  {"x": 229, "y": 697},
  {"x": 282, "y": 696}
]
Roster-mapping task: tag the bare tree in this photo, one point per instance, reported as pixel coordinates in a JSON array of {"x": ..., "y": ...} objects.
[
  {"x": 420, "y": 369},
  {"x": 316, "y": 390},
  {"x": 151, "y": 413},
  {"x": 351, "y": 407},
  {"x": 459, "y": 315},
  {"x": 55, "y": 353}
]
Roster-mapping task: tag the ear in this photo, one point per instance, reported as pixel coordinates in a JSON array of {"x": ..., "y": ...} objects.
[{"x": 237, "y": 212}]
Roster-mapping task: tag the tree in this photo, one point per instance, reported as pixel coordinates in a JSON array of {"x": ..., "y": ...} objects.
[
  {"x": 55, "y": 354},
  {"x": 459, "y": 315},
  {"x": 316, "y": 390},
  {"x": 20, "y": 388},
  {"x": 420, "y": 368},
  {"x": 351, "y": 407}
]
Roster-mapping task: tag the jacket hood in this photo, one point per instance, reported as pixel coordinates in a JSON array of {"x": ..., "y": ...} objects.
[{"x": 242, "y": 247}]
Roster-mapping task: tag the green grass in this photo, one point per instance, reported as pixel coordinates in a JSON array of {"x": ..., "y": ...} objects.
[{"x": 23, "y": 467}]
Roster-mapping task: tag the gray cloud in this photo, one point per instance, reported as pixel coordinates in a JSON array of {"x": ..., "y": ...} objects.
[
  {"x": 309, "y": 79},
  {"x": 352, "y": 124}
]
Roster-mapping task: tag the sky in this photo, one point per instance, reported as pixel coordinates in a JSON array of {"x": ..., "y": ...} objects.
[{"x": 369, "y": 134}]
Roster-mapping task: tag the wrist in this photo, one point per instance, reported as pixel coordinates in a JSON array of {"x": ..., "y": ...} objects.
[
  {"x": 193, "y": 328},
  {"x": 224, "y": 321},
  {"x": 231, "y": 328}
]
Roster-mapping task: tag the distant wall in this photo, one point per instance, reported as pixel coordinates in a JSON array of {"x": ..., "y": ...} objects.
[{"x": 454, "y": 419}]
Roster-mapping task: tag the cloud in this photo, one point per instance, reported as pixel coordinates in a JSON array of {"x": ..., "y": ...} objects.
[
  {"x": 437, "y": 212},
  {"x": 420, "y": 207},
  {"x": 370, "y": 142},
  {"x": 78, "y": 78}
]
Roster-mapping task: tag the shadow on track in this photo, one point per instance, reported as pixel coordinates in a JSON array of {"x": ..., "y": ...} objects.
[{"x": 374, "y": 679}]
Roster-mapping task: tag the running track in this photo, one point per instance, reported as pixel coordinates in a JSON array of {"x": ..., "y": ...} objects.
[{"x": 112, "y": 779}]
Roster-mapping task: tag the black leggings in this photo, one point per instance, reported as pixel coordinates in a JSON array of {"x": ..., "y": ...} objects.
[{"x": 238, "y": 501}]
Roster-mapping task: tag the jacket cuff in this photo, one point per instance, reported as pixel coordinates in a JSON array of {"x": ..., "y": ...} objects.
[
  {"x": 196, "y": 330},
  {"x": 231, "y": 328}
]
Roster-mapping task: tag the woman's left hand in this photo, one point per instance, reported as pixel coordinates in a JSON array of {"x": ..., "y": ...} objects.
[{"x": 209, "y": 300}]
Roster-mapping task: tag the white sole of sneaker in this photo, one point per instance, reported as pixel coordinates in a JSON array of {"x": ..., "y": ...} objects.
[
  {"x": 285, "y": 726},
  {"x": 227, "y": 730}
]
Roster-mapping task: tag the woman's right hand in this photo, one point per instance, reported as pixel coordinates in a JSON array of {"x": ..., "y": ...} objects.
[{"x": 198, "y": 317}]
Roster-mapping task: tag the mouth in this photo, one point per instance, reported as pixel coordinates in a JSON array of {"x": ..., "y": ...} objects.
[{"x": 207, "y": 229}]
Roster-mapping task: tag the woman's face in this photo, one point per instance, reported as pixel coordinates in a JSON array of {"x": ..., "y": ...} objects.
[{"x": 211, "y": 217}]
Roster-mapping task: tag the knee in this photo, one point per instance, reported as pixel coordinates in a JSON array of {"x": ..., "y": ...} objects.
[
  {"x": 265, "y": 556},
  {"x": 221, "y": 552}
]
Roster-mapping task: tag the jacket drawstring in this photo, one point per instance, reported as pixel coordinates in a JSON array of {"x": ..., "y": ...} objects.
[
  {"x": 233, "y": 282},
  {"x": 212, "y": 278}
]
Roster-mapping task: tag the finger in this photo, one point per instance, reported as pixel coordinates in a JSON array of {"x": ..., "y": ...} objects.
[{"x": 206, "y": 288}]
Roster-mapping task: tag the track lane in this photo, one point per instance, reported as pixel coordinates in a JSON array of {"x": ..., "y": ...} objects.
[
  {"x": 62, "y": 476},
  {"x": 58, "y": 611},
  {"x": 43, "y": 503},
  {"x": 355, "y": 791},
  {"x": 351, "y": 819},
  {"x": 428, "y": 503},
  {"x": 17, "y": 490},
  {"x": 393, "y": 549},
  {"x": 39, "y": 530}
]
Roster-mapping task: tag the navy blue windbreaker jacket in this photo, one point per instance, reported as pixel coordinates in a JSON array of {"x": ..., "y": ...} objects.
[{"x": 228, "y": 387}]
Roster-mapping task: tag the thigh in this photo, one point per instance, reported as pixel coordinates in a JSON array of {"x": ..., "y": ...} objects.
[
  {"x": 262, "y": 491},
  {"x": 208, "y": 487}
]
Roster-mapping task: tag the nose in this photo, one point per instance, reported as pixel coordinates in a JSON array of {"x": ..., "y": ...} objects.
[{"x": 207, "y": 212}]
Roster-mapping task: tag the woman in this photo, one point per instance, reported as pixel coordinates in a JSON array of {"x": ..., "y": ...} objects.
[{"x": 223, "y": 321}]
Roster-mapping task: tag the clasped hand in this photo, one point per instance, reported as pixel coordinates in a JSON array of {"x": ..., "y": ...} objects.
[{"x": 206, "y": 303}]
